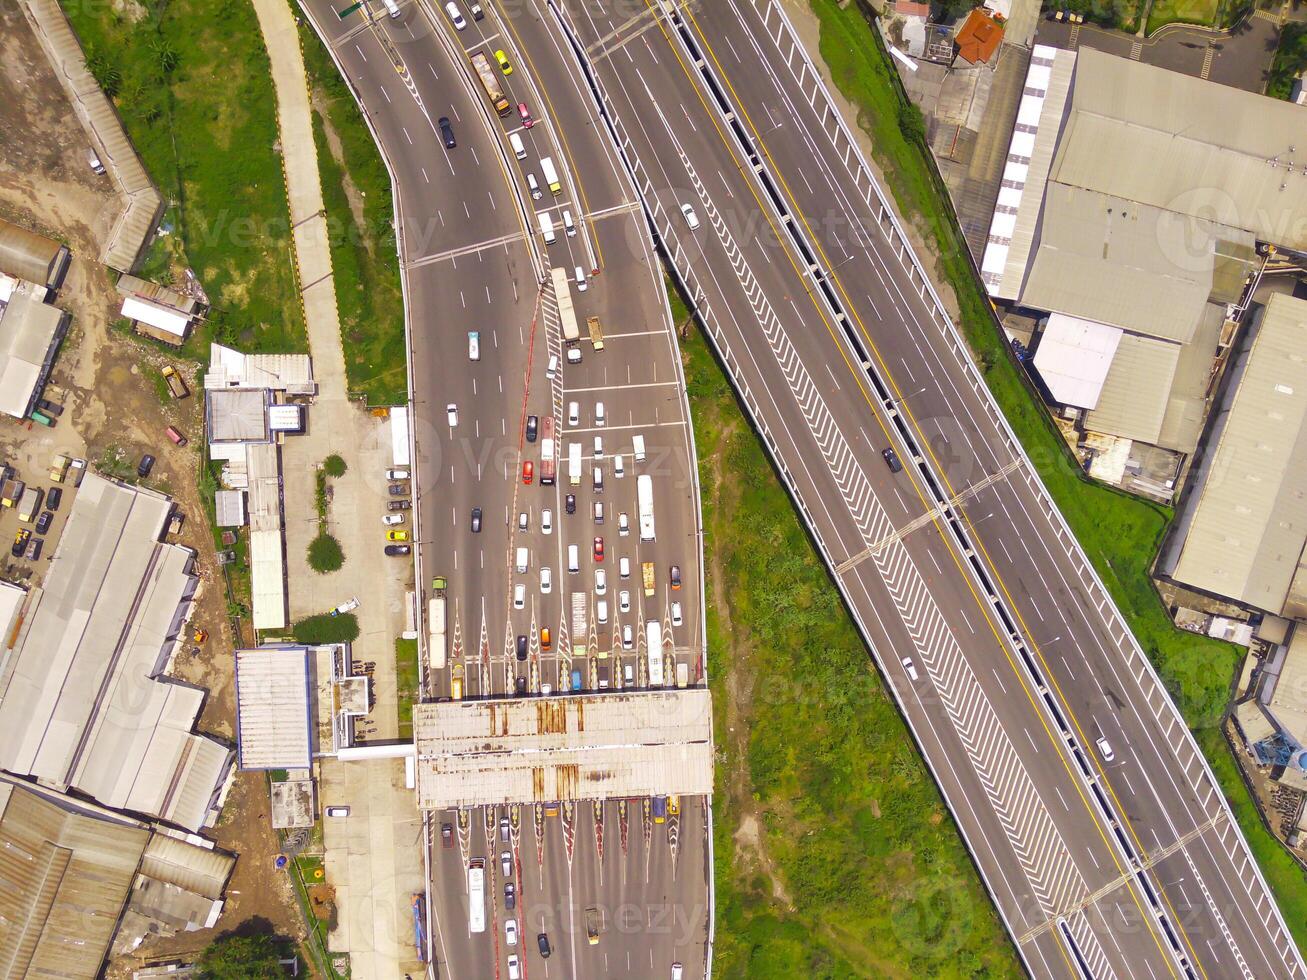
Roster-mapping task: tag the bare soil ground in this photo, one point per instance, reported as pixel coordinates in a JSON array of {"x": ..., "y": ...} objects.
[{"x": 111, "y": 389}]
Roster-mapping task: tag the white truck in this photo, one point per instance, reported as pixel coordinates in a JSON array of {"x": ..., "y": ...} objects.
[
  {"x": 574, "y": 463},
  {"x": 436, "y": 623}
]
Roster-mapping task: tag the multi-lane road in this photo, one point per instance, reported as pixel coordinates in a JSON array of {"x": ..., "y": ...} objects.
[
  {"x": 1098, "y": 829},
  {"x": 473, "y": 260}
]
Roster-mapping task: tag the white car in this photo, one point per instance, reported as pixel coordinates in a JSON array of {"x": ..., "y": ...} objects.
[
  {"x": 473, "y": 345},
  {"x": 691, "y": 218},
  {"x": 619, "y": 467},
  {"x": 677, "y": 619},
  {"x": 392, "y": 519},
  {"x": 547, "y": 521},
  {"x": 573, "y": 413},
  {"x": 349, "y": 605},
  {"x": 514, "y": 969},
  {"x": 599, "y": 447},
  {"x": 523, "y": 522},
  {"x": 676, "y": 971},
  {"x": 600, "y": 417},
  {"x": 581, "y": 283},
  {"x": 546, "y": 580},
  {"x": 451, "y": 410},
  {"x": 628, "y": 640},
  {"x": 574, "y": 354},
  {"x": 519, "y": 596},
  {"x": 624, "y": 567},
  {"x": 1105, "y": 750},
  {"x": 397, "y": 474},
  {"x": 623, "y": 523},
  {"x": 510, "y": 932},
  {"x": 601, "y": 581},
  {"x": 623, "y": 601},
  {"x": 910, "y": 667},
  {"x": 601, "y": 611},
  {"x": 455, "y": 16}
]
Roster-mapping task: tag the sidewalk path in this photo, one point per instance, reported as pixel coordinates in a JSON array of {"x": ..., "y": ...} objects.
[{"x": 373, "y": 872}]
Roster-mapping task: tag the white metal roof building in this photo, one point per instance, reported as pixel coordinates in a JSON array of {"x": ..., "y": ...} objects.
[
  {"x": 267, "y": 547},
  {"x": 237, "y": 415},
  {"x": 1244, "y": 525},
  {"x": 141, "y": 309},
  {"x": 11, "y": 601},
  {"x": 273, "y": 716},
  {"x": 229, "y": 508},
  {"x": 30, "y": 331},
  {"x": 228, "y": 368},
  {"x": 86, "y": 702},
  {"x": 569, "y": 747}
]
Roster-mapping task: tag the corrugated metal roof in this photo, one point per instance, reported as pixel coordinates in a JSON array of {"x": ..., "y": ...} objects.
[
  {"x": 272, "y": 709},
  {"x": 1186, "y": 404},
  {"x": 267, "y": 562},
  {"x": 564, "y": 748},
  {"x": 1074, "y": 357},
  {"x": 29, "y": 334},
  {"x": 29, "y": 256},
  {"x": 237, "y": 414},
  {"x": 1133, "y": 401},
  {"x": 1288, "y": 700},
  {"x": 229, "y": 506},
  {"x": 1245, "y": 537},
  {"x": 1117, "y": 262},
  {"x": 230, "y": 368},
  {"x": 157, "y": 315},
  {"x": 1173, "y": 141}
]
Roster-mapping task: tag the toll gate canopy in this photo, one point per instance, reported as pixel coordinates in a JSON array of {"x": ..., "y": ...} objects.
[{"x": 568, "y": 747}]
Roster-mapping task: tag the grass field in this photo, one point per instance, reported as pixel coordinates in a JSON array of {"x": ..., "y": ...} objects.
[
  {"x": 356, "y": 192},
  {"x": 1119, "y": 533},
  {"x": 191, "y": 81},
  {"x": 835, "y": 856},
  {"x": 406, "y": 683},
  {"x": 1182, "y": 11}
]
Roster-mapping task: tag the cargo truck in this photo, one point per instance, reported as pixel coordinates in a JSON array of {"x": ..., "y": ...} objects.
[
  {"x": 644, "y": 497},
  {"x": 647, "y": 573},
  {"x": 592, "y": 926},
  {"x": 30, "y": 504},
  {"x": 578, "y": 617},
  {"x": 660, "y": 809},
  {"x": 436, "y": 623},
  {"x": 176, "y": 383},
  {"x": 596, "y": 332},
  {"x": 59, "y": 468},
  {"x": 574, "y": 463}
]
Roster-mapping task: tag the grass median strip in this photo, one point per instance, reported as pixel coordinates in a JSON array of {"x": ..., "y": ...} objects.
[
  {"x": 211, "y": 148},
  {"x": 835, "y": 855},
  {"x": 1119, "y": 533}
]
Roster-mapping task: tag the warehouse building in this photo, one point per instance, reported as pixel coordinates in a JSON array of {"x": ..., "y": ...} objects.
[
  {"x": 85, "y": 700},
  {"x": 1132, "y": 205},
  {"x": 1243, "y": 527},
  {"x": 81, "y": 882},
  {"x": 273, "y": 709},
  {"x": 30, "y": 332},
  {"x": 26, "y": 255}
]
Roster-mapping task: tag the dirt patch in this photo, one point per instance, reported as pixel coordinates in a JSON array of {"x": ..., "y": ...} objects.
[
  {"x": 352, "y": 192},
  {"x": 116, "y": 406}
]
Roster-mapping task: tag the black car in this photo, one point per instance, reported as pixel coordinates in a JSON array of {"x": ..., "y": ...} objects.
[
  {"x": 399, "y": 489},
  {"x": 520, "y": 687},
  {"x": 891, "y": 460},
  {"x": 398, "y": 549},
  {"x": 398, "y": 504},
  {"x": 510, "y": 892},
  {"x": 44, "y": 521},
  {"x": 53, "y": 496},
  {"x": 20, "y": 542},
  {"x": 571, "y": 503},
  {"x": 542, "y": 941},
  {"x": 447, "y": 132},
  {"x": 476, "y": 520},
  {"x": 144, "y": 466},
  {"x": 49, "y": 407},
  {"x": 532, "y": 423},
  {"x": 521, "y": 647}
]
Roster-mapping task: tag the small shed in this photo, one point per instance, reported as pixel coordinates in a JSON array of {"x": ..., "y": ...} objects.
[{"x": 230, "y": 508}]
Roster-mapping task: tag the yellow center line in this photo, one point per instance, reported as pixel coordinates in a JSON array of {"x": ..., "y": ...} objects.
[
  {"x": 557, "y": 125},
  {"x": 832, "y": 275},
  {"x": 876, "y": 414}
]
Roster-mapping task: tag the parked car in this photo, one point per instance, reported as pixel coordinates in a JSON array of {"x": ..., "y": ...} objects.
[
  {"x": 398, "y": 504},
  {"x": 396, "y": 535},
  {"x": 53, "y": 496},
  {"x": 34, "y": 549},
  {"x": 144, "y": 466},
  {"x": 175, "y": 436},
  {"x": 398, "y": 549},
  {"x": 43, "y": 522},
  {"x": 392, "y": 518},
  {"x": 337, "y": 811},
  {"x": 23, "y": 536},
  {"x": 397, "y": 474},
  {"x": 398, "y": 490}
]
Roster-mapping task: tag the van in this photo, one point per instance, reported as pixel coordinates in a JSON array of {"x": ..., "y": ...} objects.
[
  {"x": 601, "y": 611},
  {"x": 552, "y": 369},
  {"x": 637, "y": 448},
  {"x": 619, "y": 467},
  {"x": 392, "y": 7},
  {"x": 521, "y": 561},
  {"x": 624, "y": 567},
  {"x": 598, "y": 479},
  {"x": 175, "y": 436},
  {"x": 600, "y": 417},
  {"x": 581, "y": 283},
  {"x": 533, "y": 187},
  {"x": 519, "y": 148},
  {"x": 573, "y": 559},
  {"x": 568, "y": 225},
  {"x": 547, "y": 227},
  {"x": 93, "y": 161},
  {"x": 337, "y": 811}
]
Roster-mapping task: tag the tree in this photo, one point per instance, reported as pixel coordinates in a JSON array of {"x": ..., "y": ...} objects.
[
  {"x": 325, "y": 554},
  {"x": 240, "y": 958},
  {"x": 334, "y": 465}
]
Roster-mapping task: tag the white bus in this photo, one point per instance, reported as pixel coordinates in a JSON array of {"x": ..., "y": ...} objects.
[
  {"x": 566, "y": 314},
  {"x": 476, "y": 895},
  {"x": 551, "y": 175},
  {"x": 653, "y": 632},
  {"x": 574, "y": 463},
  {"x": 644, "y": 496}
]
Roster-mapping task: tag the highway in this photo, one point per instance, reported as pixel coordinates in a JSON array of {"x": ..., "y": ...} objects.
[
  {"x": 1099, "y": 832},
  {"x": 473, "y": 259}
]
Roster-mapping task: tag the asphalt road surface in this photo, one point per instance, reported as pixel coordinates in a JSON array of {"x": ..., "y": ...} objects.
[
  {"x": 473, "y": 261},
  {"x": 1100, "y": 833}
]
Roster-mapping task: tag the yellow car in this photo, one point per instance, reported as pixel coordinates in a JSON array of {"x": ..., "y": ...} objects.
[
  {"x": 396, "y": 535},
  {"x": 504, "y": 66}
]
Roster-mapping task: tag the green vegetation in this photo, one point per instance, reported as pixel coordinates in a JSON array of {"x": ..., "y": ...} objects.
[
  {"x": 326, "y": 628},
  {"x": 360, "y": 216},
  {"x": 1290, "y": 61},
  {"x": 835, "y": 856},
  {"x": 1165, "y": 12},
  {"x": 406, "y": 682},
  {"x": 334, "y": 466},
  {"x": 191, "y": 81},
  {"x": 325, "y": 554},
  {"x": 1122, "y": 14},
  {"x": 240, "y": 958},
  {"x": 1119, "y": 533},
  {"x": 301, "y": 871}
]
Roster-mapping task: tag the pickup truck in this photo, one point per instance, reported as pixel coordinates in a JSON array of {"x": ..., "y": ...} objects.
[
  {"x": 593, "y": 925},
  {"x": 176, "y": 383}
]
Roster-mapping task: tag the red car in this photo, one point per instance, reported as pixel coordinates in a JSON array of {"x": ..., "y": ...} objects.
[
  {"x": 525, "y": 113},
  {"x": 599, "y": 549},
  {"x": 528, "y": 472}
]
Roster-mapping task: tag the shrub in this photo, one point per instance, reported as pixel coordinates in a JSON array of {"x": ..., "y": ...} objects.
[
  {"x": 325, "y": 554},
  {"x": 335, "y": 466},
  {"x": 327, "y": 628}
]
